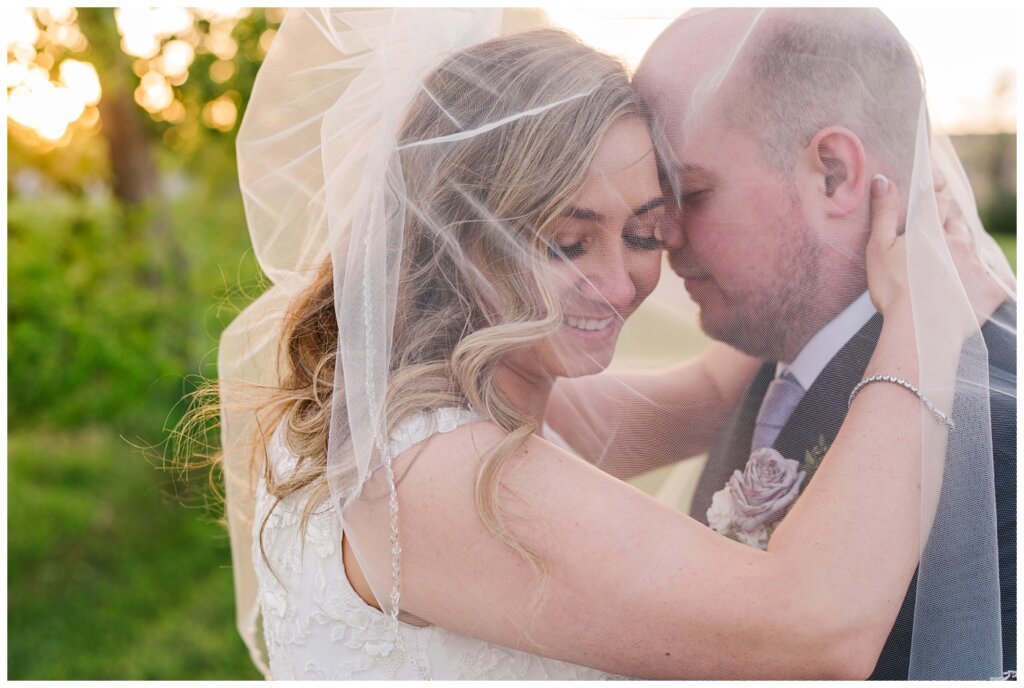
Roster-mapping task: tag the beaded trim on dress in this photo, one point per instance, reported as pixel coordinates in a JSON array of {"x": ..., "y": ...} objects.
[{"x": 317, "y": 627}]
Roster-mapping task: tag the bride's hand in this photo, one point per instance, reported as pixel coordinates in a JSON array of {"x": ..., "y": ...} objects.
[
  {"x": 984, "y": 291},
  {"x": 887, "y": 249}
]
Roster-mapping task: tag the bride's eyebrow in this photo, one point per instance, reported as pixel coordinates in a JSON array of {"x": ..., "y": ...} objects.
[
  {"x": 588, "y": 215},
  {"x": 658, "y": 202},
  {"x": 585, "y": 214}
]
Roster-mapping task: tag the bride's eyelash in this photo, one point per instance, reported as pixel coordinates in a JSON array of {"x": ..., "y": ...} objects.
[
  {"x": 577, "y": 250},
  {"x": 571, "y": 251},
  {"x": 643, "y": 243}
]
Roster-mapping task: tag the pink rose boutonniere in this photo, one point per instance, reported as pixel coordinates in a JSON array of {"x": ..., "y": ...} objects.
[{"x": 749, "y": 507}]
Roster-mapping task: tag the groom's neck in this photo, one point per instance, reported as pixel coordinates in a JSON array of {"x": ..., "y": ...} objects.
[
  {"x": 795, "y": 340},
  {"x": 853, "y": 318}
]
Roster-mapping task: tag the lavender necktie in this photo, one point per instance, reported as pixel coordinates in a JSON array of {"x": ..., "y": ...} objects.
[{"x": 783, "y": 395}]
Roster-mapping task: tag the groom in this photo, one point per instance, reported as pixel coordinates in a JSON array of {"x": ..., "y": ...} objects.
[{"x": 772, "y": 181}]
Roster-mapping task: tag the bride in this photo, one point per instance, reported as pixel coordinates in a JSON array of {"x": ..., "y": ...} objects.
[{"x": 456, "y": 213}]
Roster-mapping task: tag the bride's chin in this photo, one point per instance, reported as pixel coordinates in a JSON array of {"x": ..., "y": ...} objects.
[
  {"x": 582, "y": 363},
  {"x": 595, "y": 370}
]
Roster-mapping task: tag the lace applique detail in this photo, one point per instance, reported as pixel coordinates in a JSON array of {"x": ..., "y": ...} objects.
[
  {"x": 419, "y": 427},
  {"x": 316, "y": 625},
  {"x": 493, "y": 662}
]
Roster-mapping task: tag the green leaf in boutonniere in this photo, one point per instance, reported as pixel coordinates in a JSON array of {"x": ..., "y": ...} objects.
[{"x": 813, "y": 457}]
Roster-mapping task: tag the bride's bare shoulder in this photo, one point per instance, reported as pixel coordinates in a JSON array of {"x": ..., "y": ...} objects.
[{"x": 460, "y": 452}]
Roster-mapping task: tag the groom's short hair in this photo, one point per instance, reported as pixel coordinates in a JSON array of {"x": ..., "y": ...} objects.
[{"x": 808, "y": 69}]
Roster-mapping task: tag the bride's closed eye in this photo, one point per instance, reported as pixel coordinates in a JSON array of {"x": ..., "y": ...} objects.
[
  {"x": 641, "y": 232},
  {"x": 570, "y": 251},
  {"x": 568, "y": 243},
  {"x": 644, "y": 232},
  {"x": 642, "y": 238},
  {"x": 643, "y": 243}
]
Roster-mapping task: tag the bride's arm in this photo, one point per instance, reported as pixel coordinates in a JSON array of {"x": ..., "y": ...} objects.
[
  {"x": 634, "y": 587},
  {"x": 673, "y": 414}
]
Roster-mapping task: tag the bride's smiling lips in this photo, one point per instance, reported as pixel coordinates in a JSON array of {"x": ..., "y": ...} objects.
[{"x": 594, "y": 327}]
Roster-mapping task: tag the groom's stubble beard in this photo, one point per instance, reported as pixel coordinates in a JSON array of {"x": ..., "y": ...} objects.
[{"x": 775, "y": 321}]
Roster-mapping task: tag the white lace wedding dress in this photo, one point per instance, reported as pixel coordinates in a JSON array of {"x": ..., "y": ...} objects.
[{"x": 317, "y": 627}]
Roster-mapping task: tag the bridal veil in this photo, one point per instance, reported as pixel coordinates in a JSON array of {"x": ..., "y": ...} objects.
[{"x": 324, "y": 155}]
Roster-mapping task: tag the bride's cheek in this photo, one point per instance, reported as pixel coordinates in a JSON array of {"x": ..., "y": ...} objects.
[
  {"x": 647, "y": 274},
  {"x": 564, "y": 277}
]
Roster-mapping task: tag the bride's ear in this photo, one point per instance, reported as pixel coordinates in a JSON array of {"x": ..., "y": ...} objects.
[{"x": 835, "y": 162}]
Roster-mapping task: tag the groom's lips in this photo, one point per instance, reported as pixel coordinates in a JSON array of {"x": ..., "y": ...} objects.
[{"x": 694, "y": 280}]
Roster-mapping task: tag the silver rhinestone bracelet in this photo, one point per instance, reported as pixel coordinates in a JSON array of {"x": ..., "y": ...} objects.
[{"x": 907, "y": 385}]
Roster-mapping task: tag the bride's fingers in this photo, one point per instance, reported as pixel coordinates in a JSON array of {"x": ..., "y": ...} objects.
[
  {"x": 948, "y": 208},
  {"x": 886, "y": 252},
  {"x": 956, "y": 228},
  {"x": 953, "y": 211},
  {"x": 984, "y": 289},
  {"x": 958, "y": 232},
  {"x": 885, "y": 212},
  {"x": 938, "y": 180},
  {"x": 942, "y": 203}
]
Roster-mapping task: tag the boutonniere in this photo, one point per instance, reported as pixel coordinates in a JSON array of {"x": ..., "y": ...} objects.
[
  {"x": 750, "y": 506},
  {"x": 813, "y": 457}
]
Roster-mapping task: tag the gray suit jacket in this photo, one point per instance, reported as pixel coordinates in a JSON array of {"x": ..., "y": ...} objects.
[{"x": 821, "y": 412}]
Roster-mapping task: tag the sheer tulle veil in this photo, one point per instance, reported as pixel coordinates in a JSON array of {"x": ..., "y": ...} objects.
[{"x": 325, "y": 174}]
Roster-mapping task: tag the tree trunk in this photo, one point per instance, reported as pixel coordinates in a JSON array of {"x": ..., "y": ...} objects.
[
  {"x": 123, "y": 125},
  {"x": 136, "y": 181},
  {"x": 131, "y": 160}
]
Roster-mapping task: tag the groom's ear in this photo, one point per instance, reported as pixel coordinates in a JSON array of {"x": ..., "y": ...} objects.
[{"x": 835, "y": 163}]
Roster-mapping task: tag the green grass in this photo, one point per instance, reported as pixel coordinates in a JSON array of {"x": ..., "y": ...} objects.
[{"x": 109, "y": 577}]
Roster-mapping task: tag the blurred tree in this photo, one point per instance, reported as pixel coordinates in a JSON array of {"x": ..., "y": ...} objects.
[
  {"x": 123, "y": 202},
  {"x": 174, "y": 82},
  {"x": 128, "y": 142}
]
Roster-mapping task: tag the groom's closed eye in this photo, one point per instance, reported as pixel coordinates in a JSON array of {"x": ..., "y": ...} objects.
[
  {"x": 693, "y": 184},
  {"x": 693, "y": 198}
]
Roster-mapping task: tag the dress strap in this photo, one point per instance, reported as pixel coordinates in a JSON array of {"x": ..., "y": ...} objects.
[{"x": 420, "y": 426}]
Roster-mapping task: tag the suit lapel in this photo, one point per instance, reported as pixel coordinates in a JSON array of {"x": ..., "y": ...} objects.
[
  {"x": 819, "y": 415},
  {"x": 732, "y": 447},
  {"x": 823, "y": 407}
]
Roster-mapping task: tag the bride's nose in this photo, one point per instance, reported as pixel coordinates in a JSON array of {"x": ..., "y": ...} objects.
[{"x": 611, "y": 282}]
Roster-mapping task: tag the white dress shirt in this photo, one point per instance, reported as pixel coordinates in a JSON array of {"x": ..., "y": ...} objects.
[{"x": 828, "y": 341}]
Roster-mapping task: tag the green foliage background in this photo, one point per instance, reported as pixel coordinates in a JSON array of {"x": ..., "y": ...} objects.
[
  {"x": 110, "y": 575},
  {"x": 117, "y": 567}
]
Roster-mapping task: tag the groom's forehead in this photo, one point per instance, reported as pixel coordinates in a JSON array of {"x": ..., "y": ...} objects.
[
  {"x": 698, "y": 69},
  {"x": 700, "y": 44},
  {"x": 695, "y": 150},
  {"x": 693, "y": 172},
  {"x": 688, "y": 173}
]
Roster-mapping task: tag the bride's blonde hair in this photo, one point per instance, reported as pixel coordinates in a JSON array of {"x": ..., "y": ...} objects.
[{"x": 450, "y": 336}]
